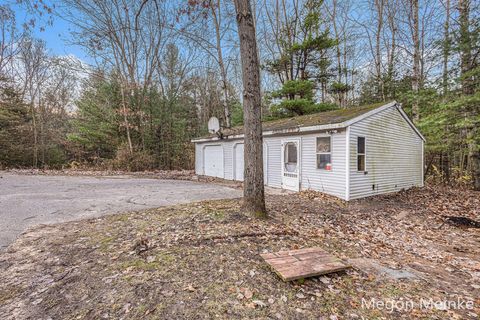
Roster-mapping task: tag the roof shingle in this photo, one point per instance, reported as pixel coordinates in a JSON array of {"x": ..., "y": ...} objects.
[{"x": 320, "y": 118}]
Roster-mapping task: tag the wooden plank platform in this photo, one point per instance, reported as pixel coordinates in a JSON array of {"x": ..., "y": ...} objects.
[{"x": 303, "y": 263}]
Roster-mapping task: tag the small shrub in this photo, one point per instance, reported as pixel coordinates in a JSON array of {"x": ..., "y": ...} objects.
[{"x": 133, "y": 161}]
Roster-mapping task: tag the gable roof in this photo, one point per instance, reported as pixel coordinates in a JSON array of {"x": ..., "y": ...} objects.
[{"x": 312, "y": 122}]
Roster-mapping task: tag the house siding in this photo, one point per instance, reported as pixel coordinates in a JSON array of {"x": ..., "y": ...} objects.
[
  {"x": 330, "y": 182},
  {"x": 311, "y": 178},
  {"x": 274, "y": 161},
  {"x": 394, "y": 155},
  {"x": 228, "y": 159},
  {"x": 198, "y": 159}
]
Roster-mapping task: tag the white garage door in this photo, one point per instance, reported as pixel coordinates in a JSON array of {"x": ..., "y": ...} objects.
[
  {"x": 213, "y": 161},
  {"x": 239, "y": 166}
]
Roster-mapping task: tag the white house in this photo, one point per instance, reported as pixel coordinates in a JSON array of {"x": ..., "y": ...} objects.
[{"x": 349, "y": 153}]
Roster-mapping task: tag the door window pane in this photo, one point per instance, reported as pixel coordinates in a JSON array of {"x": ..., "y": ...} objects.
[
  {"x": 291, "y": 157},
  {"x": 291, "y": 152}
]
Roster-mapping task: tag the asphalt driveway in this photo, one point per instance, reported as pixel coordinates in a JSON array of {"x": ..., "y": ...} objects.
[{"x": 27, "y": 200}]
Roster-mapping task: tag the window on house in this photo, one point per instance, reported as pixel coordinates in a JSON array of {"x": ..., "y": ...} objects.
[
  {"x": 324, "y": 152},
  {"x": 360, "y": 153}
]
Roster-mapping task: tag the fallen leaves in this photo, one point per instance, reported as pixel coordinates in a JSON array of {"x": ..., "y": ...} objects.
[
  {"x": 157, "y": 174},
  {"x": 259, "y": 303},
  {"x": 248, "y": 294},
  {"x": 202, "y": 259}
]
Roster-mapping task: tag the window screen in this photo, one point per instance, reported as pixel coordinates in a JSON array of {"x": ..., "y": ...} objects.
[
  {"x": 290, "y": 157},
  {"x": 291, "y": 153}
]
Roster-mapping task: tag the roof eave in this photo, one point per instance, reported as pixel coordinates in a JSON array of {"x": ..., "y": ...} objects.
[
  {"x": 324, "y": 126},
  {"x": 405, "y": 116},
  {"x": 279, "y": 132}
]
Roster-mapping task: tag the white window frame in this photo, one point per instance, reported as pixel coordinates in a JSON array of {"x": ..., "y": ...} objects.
[
  {"x": 317, "y": 153},
  {"x": 364, "y": 154}
]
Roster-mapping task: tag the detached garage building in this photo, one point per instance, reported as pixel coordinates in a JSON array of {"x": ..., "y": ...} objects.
[{"x": 349, "y": 153}]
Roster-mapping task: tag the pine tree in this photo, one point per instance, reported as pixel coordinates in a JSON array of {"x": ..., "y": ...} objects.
[{"x": 15, "y": 133}]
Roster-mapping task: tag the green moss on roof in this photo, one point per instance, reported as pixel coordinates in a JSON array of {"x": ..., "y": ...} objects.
[{"x": 314, "y": 119}]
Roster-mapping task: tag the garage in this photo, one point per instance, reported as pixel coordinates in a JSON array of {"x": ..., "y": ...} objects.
[
  {"x": 331, "y": 152},
  {"x": 239, "y": 165},
  {"x": 213, "y": 161}
]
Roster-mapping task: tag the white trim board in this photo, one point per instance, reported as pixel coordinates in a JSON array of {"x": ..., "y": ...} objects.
[{"x": 347, "y": 164}]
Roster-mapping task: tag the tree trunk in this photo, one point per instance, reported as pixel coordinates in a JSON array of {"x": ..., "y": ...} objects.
[
  {"x": 446, "y": 48},
  {"x": 445, "y": 157},
  {"x": 392, "y": 23},
  {"x": 465, "y": 45},
  {"x": 475, "y": 160},
  {"x": 338, "y": 53},
  {"x": 125, "y": 119},
  {"x": 416, "y": 60},
  {"x": 223, "y": 70},
  {"x": 35, "y": 134},
  {"x": 379, "y": 4},
  {"x": 253, "y": 188}
]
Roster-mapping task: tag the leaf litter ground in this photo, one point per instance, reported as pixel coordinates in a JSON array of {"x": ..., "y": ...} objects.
[{"x": 202, "y": 261}]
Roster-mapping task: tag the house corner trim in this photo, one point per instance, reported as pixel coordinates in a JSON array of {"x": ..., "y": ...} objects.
[{"x": 347, "y": 164}]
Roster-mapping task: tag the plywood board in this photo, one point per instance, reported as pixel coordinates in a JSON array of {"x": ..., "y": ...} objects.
[{"x": 303, "y": 263}]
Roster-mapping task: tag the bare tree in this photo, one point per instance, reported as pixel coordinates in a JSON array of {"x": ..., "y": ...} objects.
[
  {"x": 253, "y": 190},
  {"x": 47, "y": 86},
  {"x": 446, "y": 47},
  {"x": 467, "y": 64},
  {"x": 338, "y": 14},
  {"x": 201, "y": 17},
  {"x": 465, "y": 45},
  {"x": 379, "y": 6},
  {"x": 374, "y": 28},
  {"x": 33, "y": 72},
  {"x": 216, "y": 11},
  {"x": 392, "y": 45},
  {"x": 416, "y": 58},
  {"x": 129, "y": 36},
  {"x": 9, "y": 39}
]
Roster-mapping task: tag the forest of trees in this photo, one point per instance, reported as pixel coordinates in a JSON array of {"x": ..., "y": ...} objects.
[{"x": 159, "y": 69}]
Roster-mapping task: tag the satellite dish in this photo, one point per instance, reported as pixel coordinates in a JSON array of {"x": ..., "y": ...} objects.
[{"x": 213, "y": 125}]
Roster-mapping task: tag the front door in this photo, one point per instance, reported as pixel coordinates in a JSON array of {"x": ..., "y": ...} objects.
[{"x": 291, "y": 164}]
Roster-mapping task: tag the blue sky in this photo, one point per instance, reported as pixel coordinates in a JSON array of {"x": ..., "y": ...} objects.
[{"x": 56, "y": 36}]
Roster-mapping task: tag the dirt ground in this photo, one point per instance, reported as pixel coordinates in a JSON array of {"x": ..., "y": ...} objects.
[{"x": 202, "y": 261}]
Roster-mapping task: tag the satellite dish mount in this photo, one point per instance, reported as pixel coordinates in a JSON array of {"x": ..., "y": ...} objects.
[{"x": 214, "y": 127}]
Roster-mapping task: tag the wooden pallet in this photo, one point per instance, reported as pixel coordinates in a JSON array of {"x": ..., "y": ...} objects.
[{"x": 303, "y": 263}]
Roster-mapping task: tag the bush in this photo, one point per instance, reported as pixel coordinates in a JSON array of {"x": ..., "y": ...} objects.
[{"x": 136, "y": 161}]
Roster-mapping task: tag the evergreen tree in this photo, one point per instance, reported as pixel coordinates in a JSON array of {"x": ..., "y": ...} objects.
[
  {"x": 15, "y": 132},
  {"x": 96, "y": 129},
  {"x": 302, "y": 65}
]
